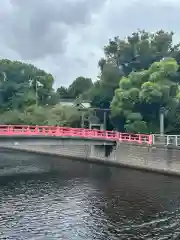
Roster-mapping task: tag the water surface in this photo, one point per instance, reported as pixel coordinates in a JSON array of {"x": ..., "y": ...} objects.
[{"x": 88, "y": 202}]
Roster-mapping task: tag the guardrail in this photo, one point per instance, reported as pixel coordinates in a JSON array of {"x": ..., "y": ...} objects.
[
  {"x": 158, "y": 139},
  {"x": 25, "y": 130}
]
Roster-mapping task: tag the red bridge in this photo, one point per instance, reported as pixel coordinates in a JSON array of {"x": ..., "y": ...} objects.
[{"x": 24, "y": 130}]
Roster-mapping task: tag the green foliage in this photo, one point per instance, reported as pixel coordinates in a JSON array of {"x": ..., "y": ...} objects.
[
  {"x": 27, "y": 97},
  {"x": 141, "y": 49},
  {"x": 58, "y": 116},
  {"x": 62, "y": 93},
  {"x": 102, "y": 91},
  {"x": 22, "y": 85},
  {"x": 124, "y": 61},
  {"x": 79, "y": 86},
  {"x": 64, "y": 116},
  {"x": 139, "y": 102},
  {"x": 141, "y": 126}
]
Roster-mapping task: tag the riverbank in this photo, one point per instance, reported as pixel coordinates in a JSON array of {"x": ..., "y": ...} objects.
[{"x": 159, "y": 159}]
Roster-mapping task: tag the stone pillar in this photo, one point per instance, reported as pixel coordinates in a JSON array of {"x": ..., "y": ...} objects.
[
  {"x": 98, "y": 151},
  {"x": 93, "y": 153}
]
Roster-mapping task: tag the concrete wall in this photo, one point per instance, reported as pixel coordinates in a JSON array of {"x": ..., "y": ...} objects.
[
  {"x": 43, "y": 140},
  {"x": 155, "y": 158},
  {"x": 19, "y": 162}
]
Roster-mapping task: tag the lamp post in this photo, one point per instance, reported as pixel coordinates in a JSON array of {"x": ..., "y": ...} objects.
[
  {"x": 37, "y": 84},
  {"x": 36, "y": 90},
  {"x": 82, "y": 119},
  {"x": 161, "y": 120}
]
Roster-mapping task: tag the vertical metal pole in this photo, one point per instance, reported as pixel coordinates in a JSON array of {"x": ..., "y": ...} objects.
[
  {"x": 153, "y": 139},
  {"x": 161, "y": 123},
  {"x": 105, "y": 120},
  {"x": 36, "y": 94},
  {"x": 176, "y": 140},
  {"x": 82, "y": 119}
]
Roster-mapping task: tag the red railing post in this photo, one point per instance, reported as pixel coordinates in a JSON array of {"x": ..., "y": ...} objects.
[
  {"x": 139, "y": 139},
  {"x": 57, "y": 131},
  {"x": 28, "y": 131},
  {"x": 129, "y": 138},
  {"x": 119, "y": 136},
  {"x": 150, "y": 140},
  {"x": 49, "y": 131},
  {"x": 36, "y": 130},
  {"x": 10, "y": 130}
]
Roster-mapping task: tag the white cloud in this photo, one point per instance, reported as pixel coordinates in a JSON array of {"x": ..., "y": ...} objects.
[{"x": 66, "y": 37}]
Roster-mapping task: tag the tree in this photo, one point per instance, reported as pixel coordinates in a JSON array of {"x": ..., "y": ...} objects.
[
  {"x": 102, "y": 91},
  {"x": 79, "y": 86},
  {"x": 140, "y": 96},
  {"x": 62, "y": 93},
  {"x": 37, "y": 115},
  {"x": 101, "y": 64},
  {"x": 27, "y": 97},
  {"x": 64, "y": 116},
  {"x": 140, "y": 50},
  {"x": 134, "y": 53},
  {"x": 23, "y": 84}
]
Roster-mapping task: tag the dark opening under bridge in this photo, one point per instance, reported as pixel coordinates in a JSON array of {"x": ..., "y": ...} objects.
[{"x": 148, "y": 152}]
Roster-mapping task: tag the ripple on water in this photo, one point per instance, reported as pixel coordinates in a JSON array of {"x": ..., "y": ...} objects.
[{"x": 122, "y": 205}]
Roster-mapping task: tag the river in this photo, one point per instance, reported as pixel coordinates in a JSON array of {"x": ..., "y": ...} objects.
[{"x": 81, "y": 201}]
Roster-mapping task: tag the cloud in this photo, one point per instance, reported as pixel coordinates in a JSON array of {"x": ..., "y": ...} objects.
[
  {"x": 40, "y": 28},
  {"x": 66, "y": 37}
]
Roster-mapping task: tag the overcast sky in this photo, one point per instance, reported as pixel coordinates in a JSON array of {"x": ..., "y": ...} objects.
[{"x": 66, "y": 37}]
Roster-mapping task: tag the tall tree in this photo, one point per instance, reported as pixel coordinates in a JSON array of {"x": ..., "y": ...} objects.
[
  {"x": 79, "y": 86},
  {"x": 142, "y": 94},
  {"x": 121, "y": 57},
  {"x": 102, "y": 91},
  {"x": 23, "y": 84},
  {"x": 141, "y": 49},
  {"x": 62, "y": 93}
]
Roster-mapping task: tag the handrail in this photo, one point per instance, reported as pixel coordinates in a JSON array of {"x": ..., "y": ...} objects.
[
  {"x": 25, "y": 130},
  {"x": 158, "y": 139}
]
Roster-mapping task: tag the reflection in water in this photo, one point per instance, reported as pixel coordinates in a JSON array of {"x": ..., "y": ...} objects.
[{"x": 83, "y": 201}]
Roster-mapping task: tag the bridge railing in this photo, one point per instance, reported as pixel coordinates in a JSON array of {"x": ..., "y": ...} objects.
[
  {"x": 25, "y": 130},
  {"x": 158, "y": 139}
]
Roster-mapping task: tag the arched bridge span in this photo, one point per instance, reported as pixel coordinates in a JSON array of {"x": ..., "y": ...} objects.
[{"x": 65, "y": 132}]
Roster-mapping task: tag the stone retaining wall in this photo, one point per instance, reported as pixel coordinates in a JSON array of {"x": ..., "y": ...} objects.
[
  {"x": 157, "y": 158},
  {"x": 154, "y": 158}
]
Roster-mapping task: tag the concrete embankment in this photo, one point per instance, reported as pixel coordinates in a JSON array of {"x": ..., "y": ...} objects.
[
  {"x": 20, "y": 162},
  {"x": 161, "y": 159}
]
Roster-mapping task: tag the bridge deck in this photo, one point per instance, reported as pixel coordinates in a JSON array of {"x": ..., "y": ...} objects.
[{"x": 64, "y": 132}]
